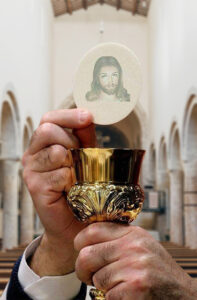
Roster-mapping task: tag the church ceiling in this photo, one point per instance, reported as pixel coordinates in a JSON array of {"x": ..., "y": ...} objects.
[{"x": 140, "y": 7}]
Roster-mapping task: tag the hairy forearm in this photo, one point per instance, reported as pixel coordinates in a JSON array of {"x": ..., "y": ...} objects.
[{"x": 53, "y": 259}]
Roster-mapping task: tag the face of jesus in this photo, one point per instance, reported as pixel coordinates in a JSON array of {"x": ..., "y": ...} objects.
[{"x": 109, "y": 79}]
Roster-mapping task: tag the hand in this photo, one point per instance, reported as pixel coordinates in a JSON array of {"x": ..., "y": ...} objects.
[
  {"x": 49, "y": 176},
  {"x": 128, "y": 264}
]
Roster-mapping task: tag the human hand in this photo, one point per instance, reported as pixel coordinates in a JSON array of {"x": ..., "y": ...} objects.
[
  {"x": 128, "y": 264},
  {"x": 49, "y": 176}
]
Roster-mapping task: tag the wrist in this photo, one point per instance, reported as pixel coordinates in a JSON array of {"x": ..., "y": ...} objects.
[{"x": 53, "y": 257}]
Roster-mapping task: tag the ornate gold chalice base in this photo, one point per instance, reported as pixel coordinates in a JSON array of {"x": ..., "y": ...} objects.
[{"x": 107, "y": 187}]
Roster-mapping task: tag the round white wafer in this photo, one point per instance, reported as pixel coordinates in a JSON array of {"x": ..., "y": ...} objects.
[{"x": 108, "y": 83}]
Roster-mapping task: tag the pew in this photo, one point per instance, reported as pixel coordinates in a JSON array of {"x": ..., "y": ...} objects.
[{"x": 185, "y": 257}]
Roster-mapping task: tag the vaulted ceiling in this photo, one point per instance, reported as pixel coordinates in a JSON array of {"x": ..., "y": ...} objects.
[{"x": 140, "y": 7}]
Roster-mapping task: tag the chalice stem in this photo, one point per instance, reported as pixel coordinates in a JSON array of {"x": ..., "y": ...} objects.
[{"x": 96, "y": 294}]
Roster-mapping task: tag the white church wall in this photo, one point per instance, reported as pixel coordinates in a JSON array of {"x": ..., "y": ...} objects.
[
  {"x": 26, "y": 29},
  {"x": 173, "y": 61},
  {"x": 75, "y": 34},
  {"x": 25, "y": 55}
]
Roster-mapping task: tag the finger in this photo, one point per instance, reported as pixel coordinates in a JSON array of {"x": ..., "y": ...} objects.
[
  {"x": 68, "y": 118},
  {"x": 49, "y": 134},
  {"x": 86, "y": 136},
  {"x": 100, "y": 232},
  {"x": 109, "y": 276},
  {"x": 93, "y": 258},
  {"x": 50, "y": 158},
  {"x": 58, "y": 180},
  {"x": 125, "y": 292},
  {"x": 123, "y": 270},
  {"x": 50, "y": 184}
]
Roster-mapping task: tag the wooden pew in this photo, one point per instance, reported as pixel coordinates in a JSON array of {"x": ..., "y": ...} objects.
[{"x": 185, "y": 257}]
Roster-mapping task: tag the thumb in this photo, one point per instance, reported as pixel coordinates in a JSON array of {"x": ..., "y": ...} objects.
[{"x": 86, "y": 136}]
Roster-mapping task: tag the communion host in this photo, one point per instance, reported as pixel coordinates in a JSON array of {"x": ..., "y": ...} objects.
[{"x": 124, "y": 261}]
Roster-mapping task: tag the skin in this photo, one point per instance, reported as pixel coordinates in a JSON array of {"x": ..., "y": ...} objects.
[
  {"x": 124, "y": 261},
  {"x": 49, "y": 176},
  {"x": 127, "y": 263}
]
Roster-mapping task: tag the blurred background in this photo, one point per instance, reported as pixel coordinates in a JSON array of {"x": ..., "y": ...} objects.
[{"x": 41, "y": 44}]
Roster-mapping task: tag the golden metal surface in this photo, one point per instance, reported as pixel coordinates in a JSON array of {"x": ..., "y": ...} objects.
[
  {"x": 95, "y": 294},
  {"x": 118, "y": 166},
  {"x": 106, "y": 188},
  {"x": 105, "y": 202}
]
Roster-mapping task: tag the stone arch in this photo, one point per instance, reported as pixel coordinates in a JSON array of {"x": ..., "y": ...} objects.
[
  {"x": 162, "y": 185},
  {"x": 132, "y": 129},
  {"x": 27, "y": 132},
  {"x": 176, "y": 187},
  {"x": 174, "y": 148},
  {"x": 190, "y": 170},
  {"x": 68, "y": 102},
  {"x": 111, "y": 137},
  {"x": 152, "y": 166},
  {"x": 162, "y": 157},
  {"x": 26, "y": 228},
  {"x": 190, "y": 129},
  {"x": 10, "y": 164}
]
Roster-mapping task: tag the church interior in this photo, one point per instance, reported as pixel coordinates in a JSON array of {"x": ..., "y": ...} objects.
[{"x": 42, "y": 43}]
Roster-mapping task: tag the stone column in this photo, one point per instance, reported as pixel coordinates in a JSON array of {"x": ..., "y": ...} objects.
[
  {"x": 27, "y": 217},
  {"x": 190, "y": 204},
  {"x": 10, "y": 202},
  {"x": 176, "y": 207},
  {"x": 163, "y": 220}
]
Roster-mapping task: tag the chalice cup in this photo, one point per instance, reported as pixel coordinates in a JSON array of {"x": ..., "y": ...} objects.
[{"x": 107, "y": 188}]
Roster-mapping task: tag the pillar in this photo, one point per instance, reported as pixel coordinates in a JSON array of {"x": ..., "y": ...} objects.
[
  {"x": 10, "y": 200},
  {"x": 27, "y": 217},
  {"x": 176, "y": 207},
  {"x": 163, "y": 220},
  {"x": 190, "y": 204}
]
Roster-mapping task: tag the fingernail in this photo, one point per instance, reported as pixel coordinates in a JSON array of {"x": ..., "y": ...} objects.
[{"x": 83, "y": 116}]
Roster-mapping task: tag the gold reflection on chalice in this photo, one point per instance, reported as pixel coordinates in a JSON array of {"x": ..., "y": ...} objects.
[{"x": 107, "y": 187}]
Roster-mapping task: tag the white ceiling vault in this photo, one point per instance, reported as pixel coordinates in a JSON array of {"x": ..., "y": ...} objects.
[{"x": 140, "y": 7}]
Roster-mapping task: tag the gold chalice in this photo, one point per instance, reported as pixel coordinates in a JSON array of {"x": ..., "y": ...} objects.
[{"x": 107, "y": 187}]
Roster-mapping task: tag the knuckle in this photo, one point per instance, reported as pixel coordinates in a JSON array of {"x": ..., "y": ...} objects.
[
  {"x": 45, "y": 117},
  {"x": 107, "y": 251},
  {"x": 54, "y": 179},
  {"x": 83, "y": 266},
  {"x": 137, "y": 246},
  {"x": 58, "y": 153},
  {"x": 84, "y": 257},
  {"x": 45, "y": 129},
  {"x": 140, "y": 282},
  {"x": 146, "y": 277},
  {"x": 32, "y": 185},
  {"x": 92, "y": 231},
  {"x": 60, "y": 178}
]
